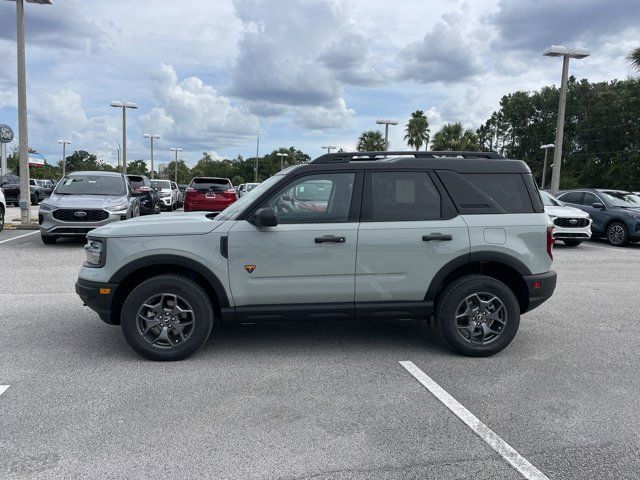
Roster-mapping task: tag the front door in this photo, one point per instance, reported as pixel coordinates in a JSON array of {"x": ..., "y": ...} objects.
[
  {"x": 407, "y": 233},
  {"x": 309, "y": 257}
]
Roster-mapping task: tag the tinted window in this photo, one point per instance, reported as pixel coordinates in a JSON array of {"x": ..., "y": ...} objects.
[
  {"x": 590, "y": 199},
  {"x": 320, "y": 198},
  {"x": 215, "y": 184},
  {"x": 572, "y": 197},
  {"x": 136, "y": 181},
  {"x": 402, "y": 196},
  {"x": 507, "y": 189},
  {"x": 161, "y": 184},
  {"x": 91, "y": 185}
]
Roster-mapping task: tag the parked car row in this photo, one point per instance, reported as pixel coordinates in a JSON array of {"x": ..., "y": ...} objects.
[{"x": 39, "y": 189}]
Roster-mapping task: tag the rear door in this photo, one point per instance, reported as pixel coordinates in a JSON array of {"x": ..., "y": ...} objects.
[
  {"x": 409, "y": 230},
  {"x": 310, "y": 256}
]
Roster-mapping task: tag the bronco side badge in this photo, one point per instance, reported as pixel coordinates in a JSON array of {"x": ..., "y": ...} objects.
[{"x": 250, "y": 268}]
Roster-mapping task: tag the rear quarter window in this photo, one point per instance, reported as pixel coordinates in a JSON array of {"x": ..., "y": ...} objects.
[{"x": 484, "y": 193}]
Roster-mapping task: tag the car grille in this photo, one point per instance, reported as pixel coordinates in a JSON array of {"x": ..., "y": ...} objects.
[
  {"x": 69, "y": 215},
  {"x": 571, "y": 222}
]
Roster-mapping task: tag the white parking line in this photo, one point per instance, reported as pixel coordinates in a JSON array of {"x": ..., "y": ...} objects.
[
  {"x": 20, "y": 236},
  {"x": 613, "y": 249},
  {"x": 516, "y": 460},
  {"x": 3, "y": 388}
]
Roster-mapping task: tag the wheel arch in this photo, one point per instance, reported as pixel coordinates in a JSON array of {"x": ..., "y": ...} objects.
[
  {"x": 500, "y": 266},
  {"x": 132, "y": 274}
]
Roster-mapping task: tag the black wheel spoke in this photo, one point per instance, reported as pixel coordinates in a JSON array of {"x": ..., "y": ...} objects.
[
  {"x": 481, "y": 318},
  {"x": 165, "y": 320}
]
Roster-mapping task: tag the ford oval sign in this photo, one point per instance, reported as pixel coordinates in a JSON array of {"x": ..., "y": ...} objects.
[
  {"x": 6, "y": 134},
  {"x": 80, "y": 214}
]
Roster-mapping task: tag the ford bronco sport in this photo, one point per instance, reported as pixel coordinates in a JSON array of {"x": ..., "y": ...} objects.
[{"x": 460, "y": 236}]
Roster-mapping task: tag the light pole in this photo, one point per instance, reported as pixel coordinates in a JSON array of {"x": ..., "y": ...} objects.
[
  {"x": 255, "y": 170},
  {"x": 566, "y": 54},
  {"x": 23, "y": 137},
  {"x": 124, "y": 106},
  {"x": 386, "y": 124},
  {"x": 329, "y": 147},
  {"x": 175, "y": 163},
  {"x": 64, "y": 155},
  {"x": 544, "y": 165},
  {"x": 282, "y": 155},
  {"x": 152, "y": 137}
]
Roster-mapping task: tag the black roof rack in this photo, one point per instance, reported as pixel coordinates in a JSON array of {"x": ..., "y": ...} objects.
[{"x": 346, "y": 157}]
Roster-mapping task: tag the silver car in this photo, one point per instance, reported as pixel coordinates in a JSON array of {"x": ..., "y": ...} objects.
[{"x": 83, "y": 201}]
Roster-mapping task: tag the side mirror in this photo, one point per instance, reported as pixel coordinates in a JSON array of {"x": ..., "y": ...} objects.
[
  {"x": 265, "y": 217},
  {"x": 598, "y": 205}
]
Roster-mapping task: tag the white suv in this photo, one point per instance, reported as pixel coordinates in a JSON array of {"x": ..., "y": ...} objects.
[
  {"x": 461, "y": 236},
  {"x": 3, "y": 209},
  {"x": 571, "y": 225}
]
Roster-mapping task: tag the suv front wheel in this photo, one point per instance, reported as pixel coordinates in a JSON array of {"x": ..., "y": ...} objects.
[
  {"x": 478, "y": 315},
  {"x": 167, "y": 317}
]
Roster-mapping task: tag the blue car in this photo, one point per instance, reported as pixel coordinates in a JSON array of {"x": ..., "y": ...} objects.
[{"x": 615, "y": 213}]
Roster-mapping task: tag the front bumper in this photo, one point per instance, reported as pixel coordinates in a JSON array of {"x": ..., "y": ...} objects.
[
  {"x": 166, "y": 201},
  {"x": 52, "y": 226},
  {"x": 540, "y": 288},
  {"x": 572, "y": 233},
  {"x": 98, "y": 296}
]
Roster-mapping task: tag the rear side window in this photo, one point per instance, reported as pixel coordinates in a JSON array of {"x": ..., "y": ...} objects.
[
  {"x": 401, "y": 197},
  {"x": 572, "y": 197},
  {"x": 208, "y": 184},
  {"x": 136, "y": 181},
  {"x": 485, "y": 193}
]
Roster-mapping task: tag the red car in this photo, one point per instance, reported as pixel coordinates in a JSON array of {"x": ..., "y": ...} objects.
[{"x": 209, "y": 194}]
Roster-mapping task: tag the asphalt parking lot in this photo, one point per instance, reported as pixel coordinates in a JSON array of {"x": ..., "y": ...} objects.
[{"x": 316, "y": 401}]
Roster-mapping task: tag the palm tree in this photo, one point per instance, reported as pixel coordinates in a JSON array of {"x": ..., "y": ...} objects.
[
  {"x": 634, "y": 58},
  {"x": 417, "y": 130},
  {"x": 370, "y": 141},
  {"x": 453, "y": 136}
]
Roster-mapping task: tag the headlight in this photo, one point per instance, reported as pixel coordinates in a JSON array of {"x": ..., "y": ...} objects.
[
  {"x": 45, "y": 207},
  {"x": 635, "y": 216},
  {"x": 95, "y": 254},
  {"x": 117, "y": 208},
  {"x": 163, "y": 195}
]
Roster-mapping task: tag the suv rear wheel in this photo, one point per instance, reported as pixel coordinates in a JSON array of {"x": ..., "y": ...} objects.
[
  {"x": 572, "y": 243},
  {"x": 167, "y": 317},
  {"x": 478, "y": 315}
]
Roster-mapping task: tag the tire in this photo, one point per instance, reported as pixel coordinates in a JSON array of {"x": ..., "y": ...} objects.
[
  {"x": 36, "y": 199},
  {"x": 156, "y": 291},
  {"x": 48, "y": 239},
  {"x": 572, "y": 243},
  {"x": 457, "y": 299},
  {"x": 1, "y": 218},
  {"x": 617, "y": 234}
]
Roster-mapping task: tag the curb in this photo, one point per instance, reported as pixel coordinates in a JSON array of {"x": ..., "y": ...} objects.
[{"x": 19, "y": 226}]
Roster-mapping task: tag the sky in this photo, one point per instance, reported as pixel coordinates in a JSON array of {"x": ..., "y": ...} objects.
[{"x": 208, "y": 75}]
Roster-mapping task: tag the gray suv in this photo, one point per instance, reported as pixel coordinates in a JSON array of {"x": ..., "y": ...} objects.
[
  {"x": 460, "y": 236},
  {"x": 83, "y": 201}
]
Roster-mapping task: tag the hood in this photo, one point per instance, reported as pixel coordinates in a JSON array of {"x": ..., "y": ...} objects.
[
  {"x": 84, "y": 201},
  {"x": 565, "y": 212},
  {"x": 195, "y": 223}
]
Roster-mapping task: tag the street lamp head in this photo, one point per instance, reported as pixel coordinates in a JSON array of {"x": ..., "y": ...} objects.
[
  {"x": 67, "y": 142},
  {"x": 561, "y": 50},
  {"x": 548, "y": 145},
  {"x": 328, "y": 146},
  {"x": 173, "y": 149},
  {"x": 115, "y": 103},
  {"x": 151, "y": 135},
  {"x": 130, "y": 105},
  {"x": 386, "y": 122}
]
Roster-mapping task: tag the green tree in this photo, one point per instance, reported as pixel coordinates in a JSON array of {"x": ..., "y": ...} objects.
[
  {"x": 370, "y": 141},
  {"x": 634, "y": 58},
  {"x": 417, "y": 130},
  {"x": 137, "y": 167},
  {"x": 453, "y": 136},
  {"x": 81, "y": 160},
  {"x": 184, "y": 174}
]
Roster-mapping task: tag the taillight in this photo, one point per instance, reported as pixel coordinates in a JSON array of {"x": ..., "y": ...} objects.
[
  {"x": 229, "y": 193},
  {"x": 550, "y": 241},
  {"x": 143, "y": 189}
]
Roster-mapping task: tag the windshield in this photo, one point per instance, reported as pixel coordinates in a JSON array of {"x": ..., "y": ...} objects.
[
  {"x": 233, "y": 210},
  {"x": 622, "y": 199},
  {"x": 207, "y": 184},
  {"x": 91, "y": 185},
  {"x": 136, "y": 181},
  {"x": 549, "y": 200},
  {"x": 250, "y": 186},
  {"x": 161, "y": 184}
]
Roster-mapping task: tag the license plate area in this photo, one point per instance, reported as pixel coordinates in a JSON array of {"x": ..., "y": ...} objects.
[{"x": 210, "y": 195}]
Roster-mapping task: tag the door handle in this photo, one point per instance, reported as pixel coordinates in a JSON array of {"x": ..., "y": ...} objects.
[
  {"x": 330, "y": 239},
  {"x": 437, "y": 236}
]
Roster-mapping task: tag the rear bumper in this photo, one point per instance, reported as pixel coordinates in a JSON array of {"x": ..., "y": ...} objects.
[
  {"x": 541, "y": 287},
  {"x": 98, "y": 297}
]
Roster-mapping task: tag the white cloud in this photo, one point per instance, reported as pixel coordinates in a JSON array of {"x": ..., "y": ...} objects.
[{"x": 194, "y": 113}]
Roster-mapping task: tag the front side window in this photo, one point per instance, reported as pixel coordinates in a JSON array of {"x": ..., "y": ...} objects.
[
  {"x": 91, "y": 185},
  {"x": 319, "y": 198},
  {"x": 589, "y": 199},
  {"x": 401, "y": 197}
]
